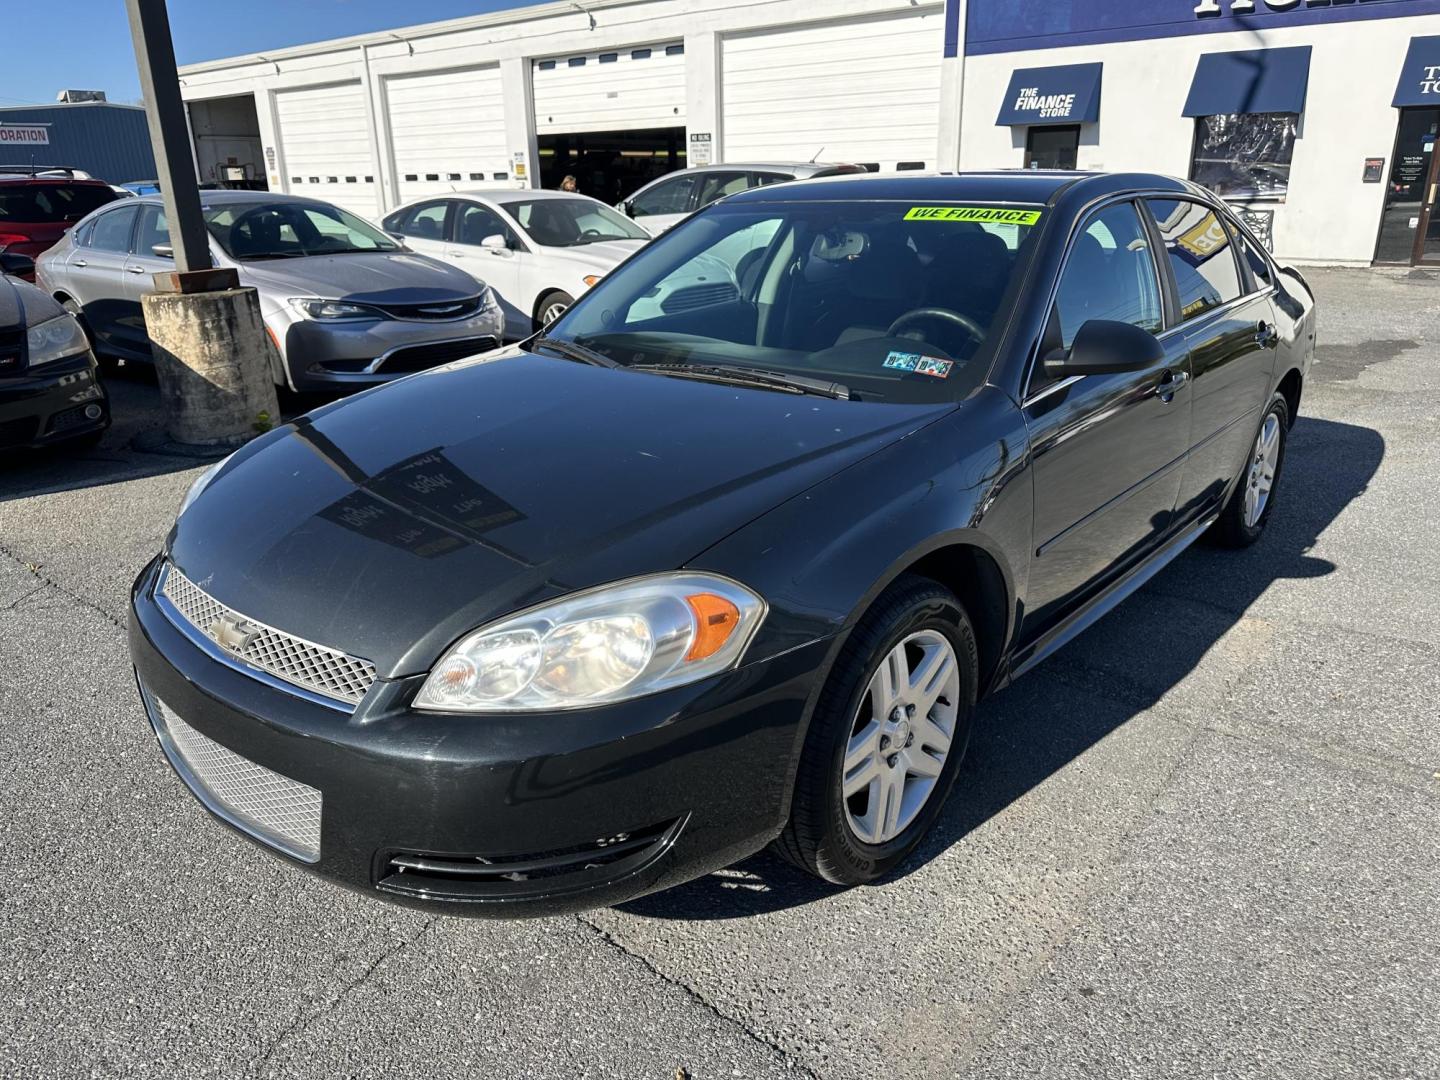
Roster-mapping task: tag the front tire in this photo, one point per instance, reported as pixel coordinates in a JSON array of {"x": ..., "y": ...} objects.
[
  {"x": 1245, "y": 516},
  {"x": 889, "y": 731},
  {"x": 551, "y": 306}
]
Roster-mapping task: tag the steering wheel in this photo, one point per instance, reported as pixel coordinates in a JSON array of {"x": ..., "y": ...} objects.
[{"x": 969, "y": 325}]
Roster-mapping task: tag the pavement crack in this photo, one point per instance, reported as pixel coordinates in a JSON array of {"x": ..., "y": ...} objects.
[
  {"x": 304, "y": 1019},
  {"x": 609, "y": 939},
  {"x": 46, "y": 581}
]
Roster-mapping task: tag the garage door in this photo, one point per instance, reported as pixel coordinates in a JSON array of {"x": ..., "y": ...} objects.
[
  {"x": 326, "y": 141},
  {"x": 863, "y": 90},
  {"x": 448, "y": 130},
  {"x": 640, "y": 86}
]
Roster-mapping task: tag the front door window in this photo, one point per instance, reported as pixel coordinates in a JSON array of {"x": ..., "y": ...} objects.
[{"x": 1410, "y": 227}]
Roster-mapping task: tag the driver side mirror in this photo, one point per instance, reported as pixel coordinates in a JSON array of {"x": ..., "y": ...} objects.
[
  {"x": 1104, "y": 347},
  {"x": 496, "y": 244},
  {"x": 163, "y": 251},
  {"x": 13, "y": 262}
]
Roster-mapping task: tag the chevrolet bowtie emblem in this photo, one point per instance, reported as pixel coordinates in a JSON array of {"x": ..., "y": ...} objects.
[{"x": 232, "y": 634}]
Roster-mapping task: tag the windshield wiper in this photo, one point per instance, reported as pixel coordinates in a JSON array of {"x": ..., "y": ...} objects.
[
  {"x": 736, "y": 375},
  {"x": 570, "y": 351}
]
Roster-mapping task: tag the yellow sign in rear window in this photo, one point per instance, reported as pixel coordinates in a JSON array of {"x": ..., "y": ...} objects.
[{"x": 984, "y": 215}]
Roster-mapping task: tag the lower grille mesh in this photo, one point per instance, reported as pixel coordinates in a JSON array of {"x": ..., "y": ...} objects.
[{"x": 282, "y": 812}]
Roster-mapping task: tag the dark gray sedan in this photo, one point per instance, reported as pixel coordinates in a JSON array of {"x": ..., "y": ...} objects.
[{"x": 343, "y": 302}]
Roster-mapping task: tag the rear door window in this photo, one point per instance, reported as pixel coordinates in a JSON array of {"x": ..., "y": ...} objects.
[
  {"x": 717, "y": 185},
  {"x": 1201, "y": 255},
  {"x": 112, "y": 231},
  {"x": 423, "y": 222},
  {"x": 671, "y": 197}
]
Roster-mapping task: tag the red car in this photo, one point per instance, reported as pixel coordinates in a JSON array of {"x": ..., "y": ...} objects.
[{"x": 35, "y": 211}]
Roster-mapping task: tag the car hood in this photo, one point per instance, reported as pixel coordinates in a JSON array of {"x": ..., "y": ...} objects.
[
  {"x": 601, "y": 255},
  {"x": 380, "y": 277},
  {"x": 390, "y": 524},
  {"x": 22, "y": 304}
]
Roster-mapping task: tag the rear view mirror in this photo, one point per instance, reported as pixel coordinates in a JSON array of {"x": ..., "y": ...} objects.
[
  {"x": 1104, "y": 347},
  {"x": 12, "y": 262},
  {"x": 164, "y": 251}
]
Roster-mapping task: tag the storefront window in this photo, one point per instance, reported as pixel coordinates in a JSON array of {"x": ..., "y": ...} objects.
[{"x": 1245, "y": 155}]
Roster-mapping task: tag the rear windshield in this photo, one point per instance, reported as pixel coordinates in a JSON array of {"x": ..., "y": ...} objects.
[
  {"x": 893, "y": 300},
  {"x": 51, "y": 202}
]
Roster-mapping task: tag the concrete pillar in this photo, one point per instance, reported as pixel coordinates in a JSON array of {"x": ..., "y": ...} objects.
[
  {"x": 518, "y": 97},
  {"x": 704, "y": 109},
  {"x": 212, "y": 360}
]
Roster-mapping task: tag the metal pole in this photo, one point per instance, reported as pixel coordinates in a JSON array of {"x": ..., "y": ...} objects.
[{"x": 169, "y": 133}]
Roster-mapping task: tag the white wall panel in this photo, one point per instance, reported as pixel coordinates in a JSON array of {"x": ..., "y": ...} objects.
[
  {"x": 852, "y": 90},
  {"x": 325, "y": 139},
  {"x": 447, "y": 130},
  {"x": 632, "y": 91}
]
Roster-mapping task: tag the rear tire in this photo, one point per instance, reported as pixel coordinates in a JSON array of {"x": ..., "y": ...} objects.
[
  {"x": 857, "y": 838},
  {"x": 1245, "y": 516}
]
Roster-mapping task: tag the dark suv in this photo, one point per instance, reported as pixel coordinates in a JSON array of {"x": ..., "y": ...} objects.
[{"x": 35, "y": 211}]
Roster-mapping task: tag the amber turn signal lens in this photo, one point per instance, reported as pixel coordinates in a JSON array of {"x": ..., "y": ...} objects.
[{"x": 715, "y": 620}]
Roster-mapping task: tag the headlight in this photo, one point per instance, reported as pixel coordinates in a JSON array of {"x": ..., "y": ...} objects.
[
  {"x": 604, "y": 645},
  {"x": 201, "y": 483},
  {"x": 333, "y": 310},
  {"x": 55, "y": 339}
]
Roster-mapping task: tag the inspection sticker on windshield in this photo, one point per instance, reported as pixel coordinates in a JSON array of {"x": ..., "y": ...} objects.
[
  {"x": 921, "y": 365},
  {"x": 988, "y": 215}
]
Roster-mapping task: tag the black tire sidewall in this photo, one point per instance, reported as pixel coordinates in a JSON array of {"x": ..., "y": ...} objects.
[{"x": 927, "y": 607}]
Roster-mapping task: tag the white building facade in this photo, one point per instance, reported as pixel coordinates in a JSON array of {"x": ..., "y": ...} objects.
[{"x": 1310, "y": 124}]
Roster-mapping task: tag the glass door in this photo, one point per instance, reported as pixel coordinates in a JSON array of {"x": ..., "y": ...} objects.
[
  {"x": 1410, "y": 225},
  {"x": 1052, "y": 147}
]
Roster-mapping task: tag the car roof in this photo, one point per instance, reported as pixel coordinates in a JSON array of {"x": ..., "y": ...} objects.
[
  {"x": 510, "y": 194},
  {"x": 29, "y": 178},
  {"x": 1030, "y": 186},
  {"x": 220, "y": 196}
]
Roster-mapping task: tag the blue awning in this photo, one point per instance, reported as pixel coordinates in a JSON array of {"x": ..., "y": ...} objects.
[
  {"x": 1253, "y": 81},
  {"x": 1420, "y": 77},
  {"x": 1069, "y": 94}
]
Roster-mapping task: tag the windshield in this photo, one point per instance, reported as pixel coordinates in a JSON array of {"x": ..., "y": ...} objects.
[
  {"x": 894, "y": 301},
  {"x": 289, "y": 230},
  {"x": 39, "y": 203},
  {"x": 572, "y": 222}
]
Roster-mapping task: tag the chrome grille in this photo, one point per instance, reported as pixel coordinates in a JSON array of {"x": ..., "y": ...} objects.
[
  {"x": 282, "y": 812},
  {"x": 301, "y": 663}
]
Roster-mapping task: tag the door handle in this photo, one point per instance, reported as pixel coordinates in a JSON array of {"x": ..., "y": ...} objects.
[
  {"x": 1266, "y": 336},
  {"x": 80, "y": 263},
  {"x": 134, "y": 269},
  {"x": 1169, "y": 383}
]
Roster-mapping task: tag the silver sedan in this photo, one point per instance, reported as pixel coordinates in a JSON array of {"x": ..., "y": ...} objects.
[{"x": 343, "y": 303}]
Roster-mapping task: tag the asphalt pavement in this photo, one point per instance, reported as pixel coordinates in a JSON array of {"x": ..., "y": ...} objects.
[{"x": 1202, "y": 841}]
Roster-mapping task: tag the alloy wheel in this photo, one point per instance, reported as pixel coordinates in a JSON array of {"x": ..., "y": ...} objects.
[
  {"x": 901, "y": 736},
  {"x": 1263, "y": 463}
]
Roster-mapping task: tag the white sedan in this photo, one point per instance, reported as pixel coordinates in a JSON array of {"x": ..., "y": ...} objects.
[{"x": 539, "y": 250}]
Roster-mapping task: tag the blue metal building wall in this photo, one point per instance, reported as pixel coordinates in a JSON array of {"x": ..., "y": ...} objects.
[{"x": 111, "y": 142}]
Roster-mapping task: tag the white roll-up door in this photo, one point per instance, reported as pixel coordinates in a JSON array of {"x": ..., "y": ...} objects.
[
  {"x": 447, "y": 130},
  {"x": 325, "y": 137},
  {"x": 637, "y": 87},
  {"x": 861, "y": 90}
]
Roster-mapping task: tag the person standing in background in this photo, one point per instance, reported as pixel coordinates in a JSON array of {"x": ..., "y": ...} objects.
[{"x": 569, "y": 184}]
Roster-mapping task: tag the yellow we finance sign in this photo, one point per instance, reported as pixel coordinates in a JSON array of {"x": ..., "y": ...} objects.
[{"x": 985, "y": 215}]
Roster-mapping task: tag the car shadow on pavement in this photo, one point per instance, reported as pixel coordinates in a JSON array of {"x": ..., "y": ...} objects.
[{"x": 1030, "y": 731}]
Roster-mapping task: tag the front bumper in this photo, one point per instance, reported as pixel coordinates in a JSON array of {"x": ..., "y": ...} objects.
[
  {"x": 52, "y": 403},
  {"x": 506, "y": 815},
  {"x": 320, "y": 354}
]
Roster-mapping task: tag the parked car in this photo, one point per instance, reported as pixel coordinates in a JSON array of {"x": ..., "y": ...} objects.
[
  {"x": 663, "y": 203},
  {"x": 616, "y": 607},
  {"x": 35, "y": 211},
  {"x": 344, "y": 304},
  {"x": 539, "y": 250},
  {"x": 50, "y": 390},
  {"x": 141, "y": 187}
]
